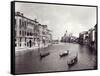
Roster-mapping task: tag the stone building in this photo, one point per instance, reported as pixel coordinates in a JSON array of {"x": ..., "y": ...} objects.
[
  {"x": 89, "y": 37},
  {"x": 24, "y": 29},
  {"x": 29, "y": 33},
  {"x": 65, "y": 38}
]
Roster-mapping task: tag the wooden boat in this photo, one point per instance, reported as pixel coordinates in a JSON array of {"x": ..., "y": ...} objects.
[
  {"x": 72, "y": 61},
  {"x": 44, "y": 54},
  {"x": 65, "y": 53}
]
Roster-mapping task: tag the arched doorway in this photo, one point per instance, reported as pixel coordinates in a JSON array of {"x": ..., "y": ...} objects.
[{"x": 30, "y": 43}]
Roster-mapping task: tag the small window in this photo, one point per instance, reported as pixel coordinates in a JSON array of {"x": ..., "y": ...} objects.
[
  {"x": 30, "y": 34},
  {"x": 20, "y": 32},
  {"x": 27, "y": 33},
  {"x": 20, "y": 44},
  {"x": 20, "y": 23}
]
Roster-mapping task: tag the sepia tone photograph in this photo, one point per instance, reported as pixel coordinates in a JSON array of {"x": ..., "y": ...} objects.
[{"x": 52, "y": 37}]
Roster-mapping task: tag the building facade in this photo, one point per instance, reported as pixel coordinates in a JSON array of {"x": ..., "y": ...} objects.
[
  {"x": 89, "y": 37},
  {"x": 30, "y": 33}
]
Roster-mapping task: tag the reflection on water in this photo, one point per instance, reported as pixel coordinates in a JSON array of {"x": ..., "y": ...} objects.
[{"x": 29, "y": 61}]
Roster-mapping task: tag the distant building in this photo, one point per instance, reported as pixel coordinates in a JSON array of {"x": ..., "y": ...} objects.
[
  {"x": 89, "y": 37},
  {"x": 68, "y": 38},
  {"x": 65, "y": 37},
  {"x": 81, "y": 37}
]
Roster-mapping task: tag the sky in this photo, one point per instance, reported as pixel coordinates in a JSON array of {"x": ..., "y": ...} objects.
[{"x": 59, "y": 18}]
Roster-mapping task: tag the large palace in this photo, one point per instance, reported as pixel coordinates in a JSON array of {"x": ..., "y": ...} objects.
[{"x": 30, "y": 33}]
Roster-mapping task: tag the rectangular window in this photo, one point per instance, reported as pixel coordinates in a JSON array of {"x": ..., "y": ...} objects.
[
  {"x": 20, "y": 44},
  {"x": 20, "y": 32},
  {"x": 20, "y": 23}
]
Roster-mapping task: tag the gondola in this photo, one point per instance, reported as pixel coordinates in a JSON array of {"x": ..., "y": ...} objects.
[{"x": 65, "y": 53}]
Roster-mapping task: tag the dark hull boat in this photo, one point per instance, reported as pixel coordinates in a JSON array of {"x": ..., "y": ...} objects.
[
  {"x": 73, "y": 61},
  {"x": 42, "y": 55},
  {"x": 65, "y": 53}
]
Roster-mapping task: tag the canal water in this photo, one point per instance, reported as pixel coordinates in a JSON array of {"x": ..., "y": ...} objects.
[{"x": 29, "y": 61}]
